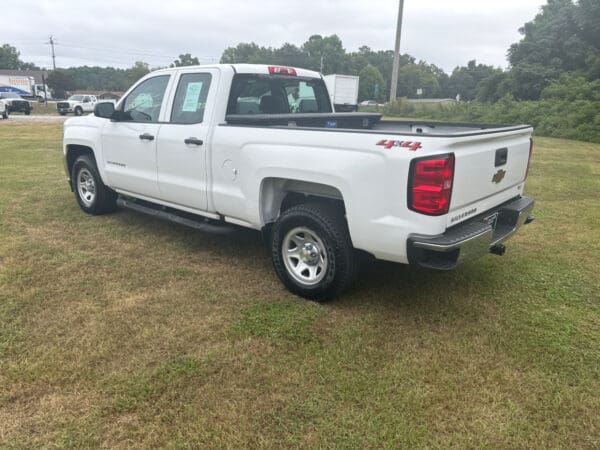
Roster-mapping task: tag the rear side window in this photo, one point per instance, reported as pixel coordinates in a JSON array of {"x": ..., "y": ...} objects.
[
  {"x": 277, "y": 94},
  {"x": 190, "y": 98}
]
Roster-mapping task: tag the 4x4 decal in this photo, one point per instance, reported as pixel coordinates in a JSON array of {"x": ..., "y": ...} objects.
[{"x": 412, "y": 146}]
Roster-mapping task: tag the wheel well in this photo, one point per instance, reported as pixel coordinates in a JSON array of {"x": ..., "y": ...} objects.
[
  {"x": 278, "y": 195},
  {"x": 75, "y": 151}
]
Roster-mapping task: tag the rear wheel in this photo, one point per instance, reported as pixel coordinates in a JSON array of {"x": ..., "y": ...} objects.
[
  {"x": 91, "y": 193},
  {"x": 312, "y": 252},
  {"x": 27, "y": 112}
]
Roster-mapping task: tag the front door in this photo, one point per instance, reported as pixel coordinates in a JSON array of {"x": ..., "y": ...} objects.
[
  {"x": 129, "y": 143},
  {"x": 183, "y": 141}
]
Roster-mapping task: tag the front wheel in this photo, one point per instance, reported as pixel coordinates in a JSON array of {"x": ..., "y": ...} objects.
[
  {"x": 27, "y": 112},
  {"x": 312, "y": 252},
  {"x": 91, "y": 193},
  {"x": 78, "y": 111},
  {"x": 5, "y": 114}
]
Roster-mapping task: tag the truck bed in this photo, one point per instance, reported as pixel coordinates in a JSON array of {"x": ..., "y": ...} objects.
[{"x": 368, "y": 122}]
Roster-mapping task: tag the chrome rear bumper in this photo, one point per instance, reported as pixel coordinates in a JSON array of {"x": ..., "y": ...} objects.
[{"x": 471, "y": 239}]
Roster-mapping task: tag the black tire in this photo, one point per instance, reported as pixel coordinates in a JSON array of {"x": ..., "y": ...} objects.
[
  {"x": 63, "y": 113},
  {"x": 27, "y": 112},
  {"x": 78, "y": 111},
  {"x": 103, "y": 200},
  {"x": 325, "y": 223},
  {"x": 5, "y": 114}
]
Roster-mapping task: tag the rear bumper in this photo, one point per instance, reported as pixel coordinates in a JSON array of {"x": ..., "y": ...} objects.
[{"x": 472, "y": 239}]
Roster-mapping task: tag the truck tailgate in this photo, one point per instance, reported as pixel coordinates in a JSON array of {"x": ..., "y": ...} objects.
[{"x": 489, "y": 169}]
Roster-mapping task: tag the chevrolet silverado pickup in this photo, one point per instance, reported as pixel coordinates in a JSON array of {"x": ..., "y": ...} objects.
[{"x": 258, "y": 146}]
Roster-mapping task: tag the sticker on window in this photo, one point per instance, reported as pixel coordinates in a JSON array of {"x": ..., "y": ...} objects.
[{"x": 192, "y": 94}]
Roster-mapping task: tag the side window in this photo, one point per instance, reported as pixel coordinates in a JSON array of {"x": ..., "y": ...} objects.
[
  {"x": 144, "y": 102},
  {"x": 190, "y": 98}
]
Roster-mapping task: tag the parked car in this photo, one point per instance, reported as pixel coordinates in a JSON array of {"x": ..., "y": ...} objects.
[
  {"x": 369, "y": 103},
  {"x": 324, "y": 188},
  {"x": 77, "y": 104},
  {"x": 15, "y": 103}
]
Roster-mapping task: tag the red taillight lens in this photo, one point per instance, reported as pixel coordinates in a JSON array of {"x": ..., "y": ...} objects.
[
  {"x": 530, "y": 154},
  {"x": 278, "y": 70},
  {"x": 430, "y": 184}
]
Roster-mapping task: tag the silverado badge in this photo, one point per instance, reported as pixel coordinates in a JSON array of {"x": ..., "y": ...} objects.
[{"x": 499, "y": 176}]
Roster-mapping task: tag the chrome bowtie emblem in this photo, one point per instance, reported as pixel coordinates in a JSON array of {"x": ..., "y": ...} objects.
[{"x": 499, "y": 176}]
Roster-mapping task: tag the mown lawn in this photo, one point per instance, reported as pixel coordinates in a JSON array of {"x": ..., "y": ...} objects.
[{"x": 123, "y": 331}]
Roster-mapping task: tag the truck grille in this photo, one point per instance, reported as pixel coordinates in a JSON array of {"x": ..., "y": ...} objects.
[{"x": 62, "y": 105}]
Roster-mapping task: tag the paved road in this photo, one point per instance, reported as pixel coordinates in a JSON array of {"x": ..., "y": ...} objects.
[{"x": 33, "y": 118}]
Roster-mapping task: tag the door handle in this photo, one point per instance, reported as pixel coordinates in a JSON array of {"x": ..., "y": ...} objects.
[
  {"x": 193, "y": 141},
  {"x": 146, "y": 137}
]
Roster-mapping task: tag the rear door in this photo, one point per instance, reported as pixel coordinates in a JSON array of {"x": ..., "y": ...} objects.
[
  {"x": 184, "y": 140},
  {"x": 129, "y": 144}
]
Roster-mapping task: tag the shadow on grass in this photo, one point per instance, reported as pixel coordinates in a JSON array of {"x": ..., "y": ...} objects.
[{"x": 379, "y": 284}]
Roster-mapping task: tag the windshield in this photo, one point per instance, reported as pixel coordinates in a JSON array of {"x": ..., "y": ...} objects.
[
  {"x": 9, "y": 95},
  {"x": 76, "y": 98}
]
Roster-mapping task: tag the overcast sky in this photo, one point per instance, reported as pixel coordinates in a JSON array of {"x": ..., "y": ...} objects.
[{"x": 119, "y": 32}]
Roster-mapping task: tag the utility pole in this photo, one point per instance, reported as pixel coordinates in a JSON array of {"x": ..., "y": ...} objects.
[
  {"x": 321, "y": 63},
  {"x": 51, "y": 42},
  {"x": 397, "y": 53}
]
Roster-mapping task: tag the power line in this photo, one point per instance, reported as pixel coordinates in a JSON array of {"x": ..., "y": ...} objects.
[{"x": 124, "y": 52}]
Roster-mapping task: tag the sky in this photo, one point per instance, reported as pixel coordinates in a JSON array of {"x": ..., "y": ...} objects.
[{"x": 120, "y": 32}]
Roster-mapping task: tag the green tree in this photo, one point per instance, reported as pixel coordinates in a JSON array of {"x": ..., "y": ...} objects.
[
  {"x": 10, "y": 59},
  {"x": 137, "y": 71},
  {"x": 564, "y": 37},
  {"x": 414, "y": 76},
  {"x": 465, "y": 80},
  {"x": 494, "y": 87},
  {"x": 329, "y": 48},
  {"x": 185, "y": 59},
  {"x": 61, "y": 82},
  {"x": 372, "y": 84}
]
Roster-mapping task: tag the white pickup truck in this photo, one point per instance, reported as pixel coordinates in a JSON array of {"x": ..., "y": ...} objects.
[
  {"x": 77, "y": 104},
  {"x": 222, "y": 145}
]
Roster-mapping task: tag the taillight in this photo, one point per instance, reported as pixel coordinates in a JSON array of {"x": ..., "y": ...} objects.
[
  {"x": 530, "y": 154},
  {"x": 430, "y": 184},
  {"x": 278, "y": 70}
]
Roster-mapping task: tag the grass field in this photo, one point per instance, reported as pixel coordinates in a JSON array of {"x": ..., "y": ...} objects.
[
  {"x": 44, "y": 108},
  {"x": 122, "y": 331}
]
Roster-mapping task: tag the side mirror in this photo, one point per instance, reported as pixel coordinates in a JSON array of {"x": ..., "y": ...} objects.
[{"x": 105, "y": 110}]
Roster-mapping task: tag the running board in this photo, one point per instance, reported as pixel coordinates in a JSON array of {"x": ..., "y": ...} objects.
[{"x": 202, "y": 224}]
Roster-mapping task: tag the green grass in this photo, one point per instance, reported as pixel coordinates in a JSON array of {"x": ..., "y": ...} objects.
[
  {"x": 124, "y": 331},
  {"x": 44, "y": 108}
]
